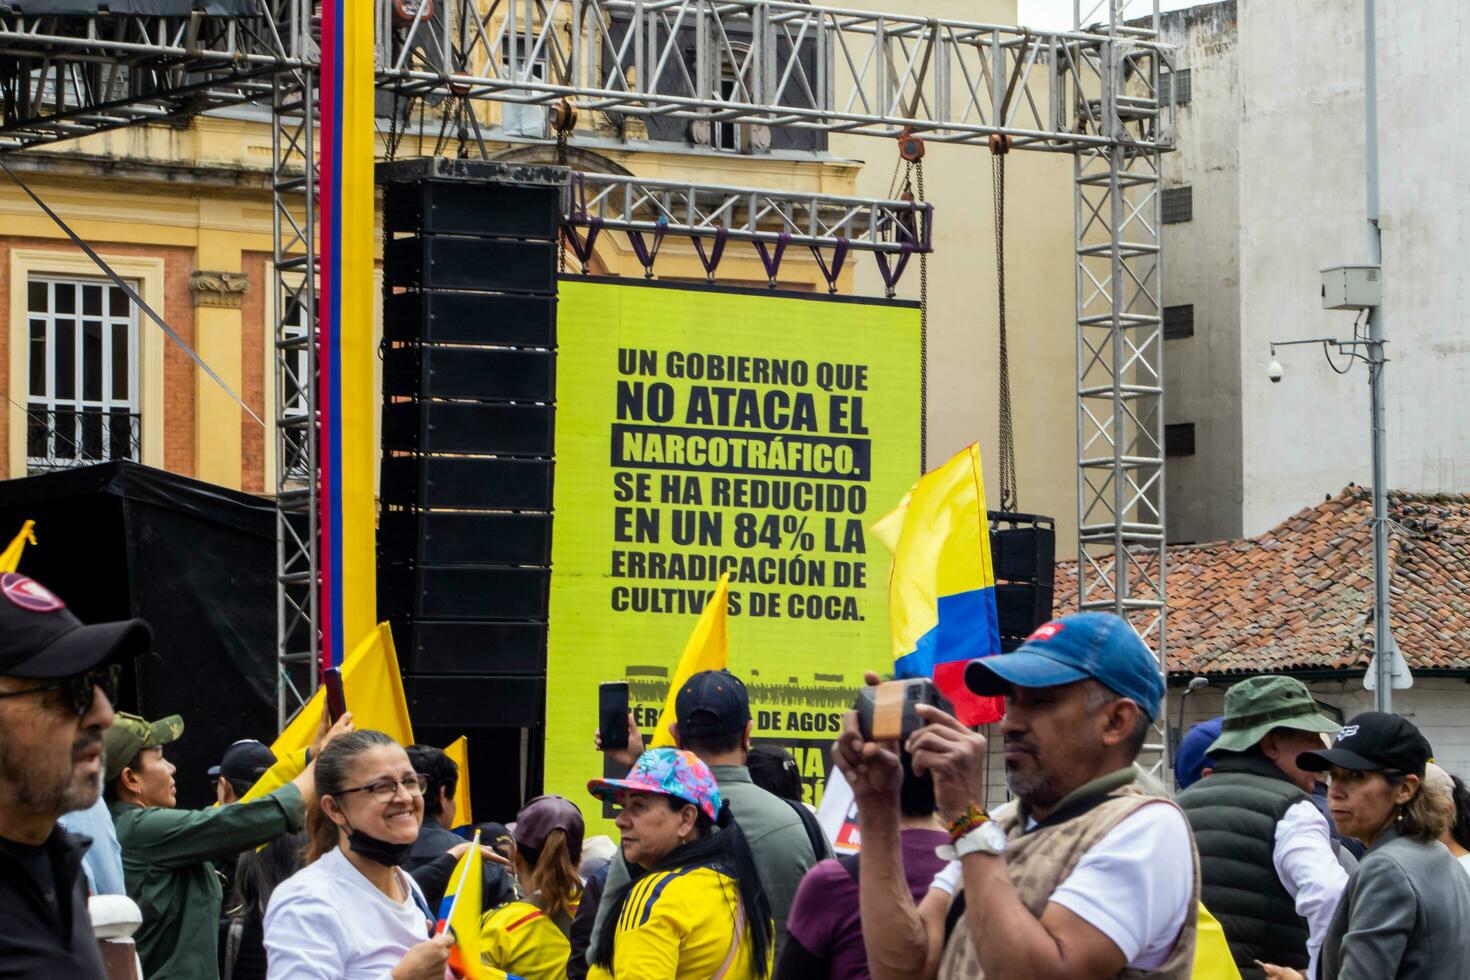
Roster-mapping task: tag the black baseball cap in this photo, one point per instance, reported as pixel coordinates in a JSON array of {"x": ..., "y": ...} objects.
[
  {"x": 712, "y": 702},
  {"x": 40, "y": 638},
  {"x": 245, "y": 761},
  {"x": 1370, "y": 742}
]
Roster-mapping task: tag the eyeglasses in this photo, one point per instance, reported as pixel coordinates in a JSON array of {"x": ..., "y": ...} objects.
[
  {"x": 78, "y": 688},
  {"x": 384, "y": 790}
]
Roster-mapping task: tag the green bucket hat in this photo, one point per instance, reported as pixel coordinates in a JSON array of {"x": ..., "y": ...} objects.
[
  {"x": 131, "y": 734},
  {"x": 1256, "y": 706}
]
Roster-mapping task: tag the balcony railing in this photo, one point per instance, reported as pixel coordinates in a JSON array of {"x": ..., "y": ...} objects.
[{"x": 65, "y": 437}]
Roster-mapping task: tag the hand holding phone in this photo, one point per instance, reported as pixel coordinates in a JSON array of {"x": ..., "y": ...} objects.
[
  {"x": 612, "y": 714},
  {"x": 336, "y": 697},
  {"x": 887, "y": 712}
]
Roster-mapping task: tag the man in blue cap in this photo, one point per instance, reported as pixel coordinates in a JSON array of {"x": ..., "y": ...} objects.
[{"x": 1087, "y": 877}]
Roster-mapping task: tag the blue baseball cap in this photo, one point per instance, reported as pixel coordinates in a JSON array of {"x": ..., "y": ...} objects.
[
  {"x": 1079, "y": 647},
  {"x": 1193, "y": 758}
]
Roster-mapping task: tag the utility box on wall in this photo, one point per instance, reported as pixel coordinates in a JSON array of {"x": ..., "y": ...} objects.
[{"x": 1352, "y": 287}]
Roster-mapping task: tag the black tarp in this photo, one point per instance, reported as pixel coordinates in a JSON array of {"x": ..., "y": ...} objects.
[{"x": 195, "y": 560}]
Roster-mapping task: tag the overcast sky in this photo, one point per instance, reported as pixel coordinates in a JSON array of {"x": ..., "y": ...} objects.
[{"x": 1057, "y": 14}]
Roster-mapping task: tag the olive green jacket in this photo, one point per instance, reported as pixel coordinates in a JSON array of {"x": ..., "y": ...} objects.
[{"x": 167, "y": 859}]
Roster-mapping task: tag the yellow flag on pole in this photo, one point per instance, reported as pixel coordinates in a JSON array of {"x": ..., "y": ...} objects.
[
  {"x": 708, "y": 649},
  {"x": 373, "y": 690},
  {"x": 459, "y": 751},
  {"x": 10, "y": 558}
]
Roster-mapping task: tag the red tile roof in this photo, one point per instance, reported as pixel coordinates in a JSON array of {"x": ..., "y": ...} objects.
[{"x": 1300, "y": 596}]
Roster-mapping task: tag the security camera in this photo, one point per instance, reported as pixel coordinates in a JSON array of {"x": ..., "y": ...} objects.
[{"x": 1274, "y": 371}]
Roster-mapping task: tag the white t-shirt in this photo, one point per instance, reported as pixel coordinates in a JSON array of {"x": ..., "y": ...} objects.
[
  {"x": 328, "y": 922},
  {"x": 1133, "y": 886},
  {"x": 1464, "y": 860}
]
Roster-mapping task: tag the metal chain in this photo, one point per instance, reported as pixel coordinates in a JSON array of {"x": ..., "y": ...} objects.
[
  {"x": 562, "y": 136},
  {"x": 1008, "y": 497},
  {"x": 918, "y": 168}
]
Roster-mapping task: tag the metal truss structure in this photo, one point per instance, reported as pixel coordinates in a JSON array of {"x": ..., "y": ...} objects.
[{"x": 771, "y": 65}]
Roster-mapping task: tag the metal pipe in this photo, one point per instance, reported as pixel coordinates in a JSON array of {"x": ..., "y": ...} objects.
[{"x": 1382, "y": 637}]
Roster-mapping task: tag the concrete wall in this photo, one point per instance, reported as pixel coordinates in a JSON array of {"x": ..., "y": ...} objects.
[
  {"x": 1289, "y": 137},
  {"x": 1202, "y": 268},
  {"x": 963, "y": 321},
  {"x": 1301, "y": 179}
]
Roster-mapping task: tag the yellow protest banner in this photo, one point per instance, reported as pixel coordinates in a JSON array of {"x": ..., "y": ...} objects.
[{"x": 708, "y": 430}]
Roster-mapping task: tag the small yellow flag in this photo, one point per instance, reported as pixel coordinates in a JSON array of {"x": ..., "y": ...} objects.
[
  {"x": 373, "y": 690},
  {"x": 10, "y": 558},
  {"x": 708, "y": 649},
  {"x": 1212, "y": 959},
  {"x": 459, "y": 751},
  {"x": 461, "y": 910}
]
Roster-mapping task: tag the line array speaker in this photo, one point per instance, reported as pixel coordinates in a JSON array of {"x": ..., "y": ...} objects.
[
  {"x": 469, "y": 391},
  {"x": 1023, "y": 554}
]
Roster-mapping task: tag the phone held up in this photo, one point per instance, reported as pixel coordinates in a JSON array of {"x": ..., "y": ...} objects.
[
  {"x": 336, "y": 699},
  {"x": 612, "y": 714},
  {"x": 886, "y": 713}
]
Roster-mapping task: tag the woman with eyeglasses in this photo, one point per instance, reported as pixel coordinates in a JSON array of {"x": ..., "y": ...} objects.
[
  {"x": 352, "y": 913},
  {"x": 1405, "y": 913}
]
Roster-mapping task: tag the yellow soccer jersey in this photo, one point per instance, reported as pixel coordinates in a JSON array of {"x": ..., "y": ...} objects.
[
  {"x": 684, "y": 924},
  {"x": 518, "y": 938}
]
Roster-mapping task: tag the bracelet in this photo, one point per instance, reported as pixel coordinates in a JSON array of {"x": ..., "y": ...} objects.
[{"x": 967, "y": 821}]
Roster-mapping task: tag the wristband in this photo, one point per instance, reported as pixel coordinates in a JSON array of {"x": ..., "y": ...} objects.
[{"x": 967, "y": 821}]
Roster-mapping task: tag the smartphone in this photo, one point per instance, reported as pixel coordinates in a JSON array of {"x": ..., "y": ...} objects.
[
  {"x": 886, "y": 713},
  {"x": 612, "y": 714},
  {"x": 336, "y": 699}
]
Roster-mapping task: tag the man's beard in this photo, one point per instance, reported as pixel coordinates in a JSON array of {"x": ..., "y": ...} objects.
[{"x": 55, "y": 792}]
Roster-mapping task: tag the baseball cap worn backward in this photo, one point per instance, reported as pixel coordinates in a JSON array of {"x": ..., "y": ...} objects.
[
  {"x": 245, "y": 760},
  {"x": 1256, "y": 705},
  {"x": 543, "y": 814},
  {"x": 712, "y": 702},
  {"x": 669, "y": 772},
  {"x": 1372, "y": 741},
  {"x": 1082, "y": 646},
  {"x": 41, "y": 639},
  {"x": 131, "y": 734}
]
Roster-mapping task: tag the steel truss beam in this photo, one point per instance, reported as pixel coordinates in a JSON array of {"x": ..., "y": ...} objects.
[
  {"x": 771, "y": 220},
  {"x": 1120, "y": 350},
  {"x": 63, "y": 77},
  {"x": 774, "y": 64}
]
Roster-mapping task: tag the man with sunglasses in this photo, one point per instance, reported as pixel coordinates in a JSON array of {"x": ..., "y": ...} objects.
[
  {"x": 58, "y": 679},
  {"x": 169, "y": 854}
]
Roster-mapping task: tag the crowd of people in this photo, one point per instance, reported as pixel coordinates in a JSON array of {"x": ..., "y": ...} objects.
[{"x": 1295, "y": 847}]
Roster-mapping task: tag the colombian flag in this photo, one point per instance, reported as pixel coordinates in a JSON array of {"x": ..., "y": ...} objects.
[
  {"x": 460, "y": 910},
  {"x": 941, "y": 595}
]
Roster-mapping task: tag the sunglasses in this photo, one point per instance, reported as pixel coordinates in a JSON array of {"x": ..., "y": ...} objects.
[{"x": 77, "y": 689}]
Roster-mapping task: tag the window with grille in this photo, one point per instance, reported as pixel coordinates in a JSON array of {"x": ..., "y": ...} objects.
[
  {"x": 1178, "y": 322},
  {"x": 1178, "y": 83},
  {"x": 1178, "y": 204},
  {"x": 1179, "y": 439},
  {"x": 518, "y": 63},
  {"x": 82, "y": 398}
]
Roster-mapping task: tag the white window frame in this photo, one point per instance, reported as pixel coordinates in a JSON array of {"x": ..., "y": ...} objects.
[
  {"x": 147, "y": 275},
  {"x": 48, "y": 403}
]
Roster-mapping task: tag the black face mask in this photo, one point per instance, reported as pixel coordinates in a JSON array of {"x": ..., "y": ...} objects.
[{"x": 378, "y": 851}]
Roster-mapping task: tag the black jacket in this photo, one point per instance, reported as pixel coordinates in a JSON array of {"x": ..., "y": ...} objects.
[
  {"x": 32, "y": 942},
  {"x": 431, "y": 866}
]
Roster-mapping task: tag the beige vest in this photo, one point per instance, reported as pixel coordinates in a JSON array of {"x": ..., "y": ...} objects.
[{"x": 1040, "y": 861}]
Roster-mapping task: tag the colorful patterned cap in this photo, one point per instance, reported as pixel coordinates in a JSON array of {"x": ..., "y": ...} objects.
[{"x": 669, "y": 772}]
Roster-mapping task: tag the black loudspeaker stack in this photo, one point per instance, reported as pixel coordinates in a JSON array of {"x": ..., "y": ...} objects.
[
  {"x": 469, "y": 402},
  {"x": 1023, "y": 550}
]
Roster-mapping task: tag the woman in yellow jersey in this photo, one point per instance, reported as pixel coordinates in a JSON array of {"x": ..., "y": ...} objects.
[
  {"x": 528, "y": 939},
  {"x": 694, "y": 909}
]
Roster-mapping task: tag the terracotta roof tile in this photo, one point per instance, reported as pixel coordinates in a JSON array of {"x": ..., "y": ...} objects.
[{"x": 1300, "y": 596}]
